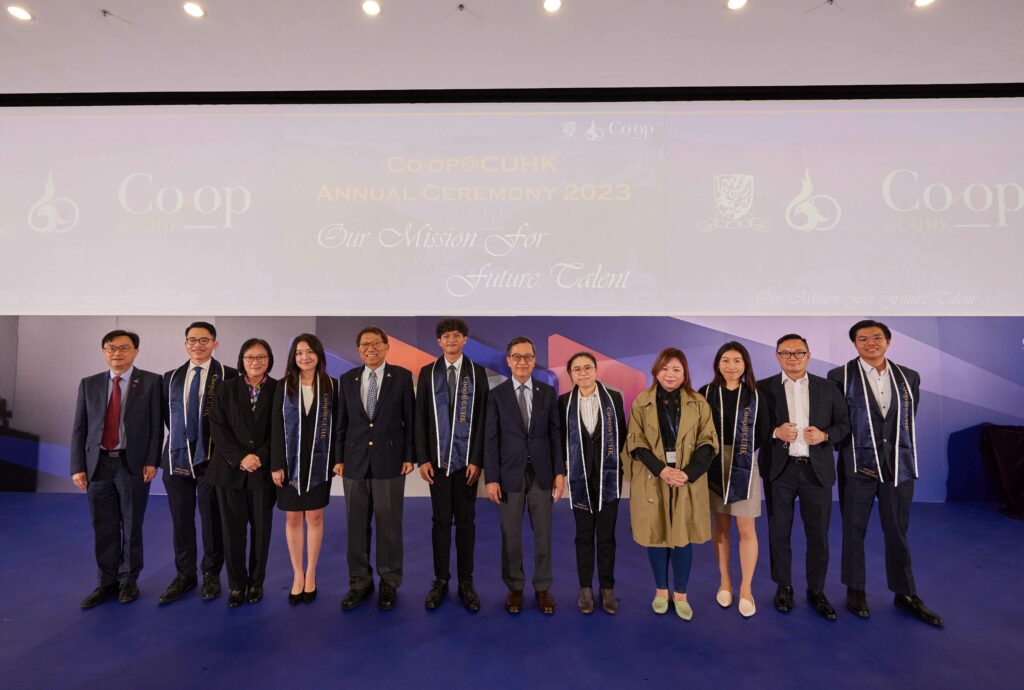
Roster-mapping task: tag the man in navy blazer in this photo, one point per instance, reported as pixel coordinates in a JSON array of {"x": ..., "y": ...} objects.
[
  {"x": 374, "y": 451},
  {"x": 115, "y": 450},
  {"x": 524, "y": 467}
]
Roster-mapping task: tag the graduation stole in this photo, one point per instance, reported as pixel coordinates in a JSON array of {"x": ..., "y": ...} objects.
[
  {"x": 608, "y": 486},
  {"x": 866, "y": 459},
  {"x": 319, "y": 453},
  {"x": 736, "y": 486},
  {"x": 182, "y": 456},
  {"x": 453, "y": 435}
]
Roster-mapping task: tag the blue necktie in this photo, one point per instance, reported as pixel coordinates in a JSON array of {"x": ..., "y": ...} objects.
[
  {"x": 192, "y": 415},
  {"x": 371, "y": 395}
]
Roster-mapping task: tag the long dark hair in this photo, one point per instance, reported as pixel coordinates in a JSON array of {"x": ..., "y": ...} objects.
[
  {"x": 663, "y": 358},
  {"x": 291, "y": 372},
  {"x": 747, "y": 379}
]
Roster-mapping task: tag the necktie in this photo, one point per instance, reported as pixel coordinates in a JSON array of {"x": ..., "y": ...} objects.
[
  {"x": 523, "y": 409},
  {"x": 371, "y": 395},
  {"x": 112, "y": 421},
  {"x": 451, "y": 388},
  {"x": 192, "y": 413}
]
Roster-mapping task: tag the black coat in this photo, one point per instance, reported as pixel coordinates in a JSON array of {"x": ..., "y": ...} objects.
[
  {"x": 375, "y": 448},
  {"x": 426, "y": 434},
  {"x": 509, "y": 445},
  {"x": 237, "y": 431}
]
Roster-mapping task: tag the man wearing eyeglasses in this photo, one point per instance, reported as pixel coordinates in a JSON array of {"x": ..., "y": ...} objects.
[
  {"x": 115, "y": 450},
  {"x": 808, "y": 414},
  {"x": 374, "y": 450},
  {"x": 188, "y": 394},
  {"x": 524, "y": 468},
  {"x": 879, "y": 459}
]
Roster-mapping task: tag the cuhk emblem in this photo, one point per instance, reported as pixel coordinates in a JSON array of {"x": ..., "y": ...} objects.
[{"x": 734, "y": 195}]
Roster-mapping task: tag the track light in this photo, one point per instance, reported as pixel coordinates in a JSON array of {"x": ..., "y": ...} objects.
[
  {"x": 193, "y": 9},
  {"x": 552, "y": 6},
  {"x": 736, "y": 4},
  {"x": 20, "y": 13},
  {"x": 923, "y": 3},
  {"x": 371, "y": 8}
]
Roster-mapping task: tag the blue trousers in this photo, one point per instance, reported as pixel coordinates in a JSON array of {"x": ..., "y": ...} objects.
[{"x": 682, "y": 559}]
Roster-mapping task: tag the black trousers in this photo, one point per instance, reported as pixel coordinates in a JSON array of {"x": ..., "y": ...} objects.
[
  {"x": 856, "y": 497},
  {"x": 246, "y": 515},
  {"x": 117, "y": 503},
  {"x": 183, "y": 494},
  {"x": 382, "y": 501},
  {"x": 453, "y": 502},
  {"x": 601, "y": 525},
  {"x": 798, "y": 480}
]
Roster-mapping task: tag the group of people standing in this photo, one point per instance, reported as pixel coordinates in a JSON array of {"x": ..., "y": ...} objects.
[{"x": 239, "y": 441}]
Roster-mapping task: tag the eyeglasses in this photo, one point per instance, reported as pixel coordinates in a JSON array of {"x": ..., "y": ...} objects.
[
  {"x": 371, "y": 346},
  {"x": 863, "y": 339},
  {"x": 787, "y": 354},
  {"x": 198, "y": 341},
  {"x": 585, "y": 369},
  {"x": 522, "y": 358},
  {"x": 251, "y": 359},
  {"x": 114, "y": 349}
]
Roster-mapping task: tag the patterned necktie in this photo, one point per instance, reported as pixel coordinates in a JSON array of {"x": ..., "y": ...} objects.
[
  {"x": 451, "y": 388},
  {"x": 192, "y": 414},
  {"x": 112, "y": 421},
  {"x": 371, "y": 395},
  {"x": 523, "y": 409}
]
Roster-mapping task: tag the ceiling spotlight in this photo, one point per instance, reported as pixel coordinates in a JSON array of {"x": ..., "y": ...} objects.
[
  {"x": 552, "y": 5},
  {"x": 20, "y": 13},
  {"x": 371, "y": 7},
  {"x": 736, "y": 4},
  {"x": 193, "y": 9},
  {"x": 923, "y": 3}
]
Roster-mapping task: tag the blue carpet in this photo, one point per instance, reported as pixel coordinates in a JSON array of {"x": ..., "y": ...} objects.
[{"x": 967, "y": 559}]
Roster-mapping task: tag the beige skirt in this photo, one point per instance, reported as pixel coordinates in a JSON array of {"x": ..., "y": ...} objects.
[{"x": 751, "y": 507}]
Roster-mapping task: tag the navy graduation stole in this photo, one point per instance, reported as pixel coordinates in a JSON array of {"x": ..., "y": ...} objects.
[
  {"x": 453, "y": 435},
  {"x": 182, "y": 456},
  {"x": 319, "y": 452},
  {"x": 608, "y": 486},
  {"x": 735, "y": 486},
  {"x": 866, "y": 459}
]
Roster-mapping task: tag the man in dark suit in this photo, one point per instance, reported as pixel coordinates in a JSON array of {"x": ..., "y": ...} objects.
[
  {"x": 523, "y": 466},
  {"x": 878, "y": 459},
  {"x": 451, "y": 408},
  {"x": 115, "y": 450},
  {"x": 808, "y": 414},
  {"x": 374, "y": 450},
  {"x": 188, "y": 395}
]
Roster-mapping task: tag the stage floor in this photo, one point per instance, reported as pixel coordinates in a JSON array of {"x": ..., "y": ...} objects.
[{"x": 967, "y": 561}]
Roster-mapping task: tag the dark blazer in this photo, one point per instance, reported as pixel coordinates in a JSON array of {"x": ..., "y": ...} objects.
[
  {"x": 143, "y": 424},
  {"x": 426, "y": 434},
  {"x": 827, "y": 411},
  {"x": 215, "y": 368},
  {"x": 237, "y": 431},
  {"x": 376, "y": 448},
  {"x": 885, "y": 427},
  {"x": 620, "y": 414},
  {"x": 509, "y": 446}
]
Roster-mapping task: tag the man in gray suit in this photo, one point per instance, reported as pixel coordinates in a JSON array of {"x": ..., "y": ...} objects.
[{"x": 115, "y": 450}]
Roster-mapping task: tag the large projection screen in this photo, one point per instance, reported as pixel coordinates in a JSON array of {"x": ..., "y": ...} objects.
[{"x": 680, "y": 209}]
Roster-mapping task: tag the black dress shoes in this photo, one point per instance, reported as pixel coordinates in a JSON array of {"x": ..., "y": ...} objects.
[
  {"x": 784, "y": 599},
  {"x": 820, "y": 603},
  {"x": 387, "y": 597},
  {"x": 468, "y": 596},
  {"x": 913, "y": 605},
  {"x": 309, "y": 597},
  {"x": 176, "y": 590},
  {"x": 355, "y": 597},
  {"x": 255, "y": 594},
  {"x": 211, "y": 587},
  {"x": 99, "y": 595},
  {"x": 438, "y": 591},
  {"x": 235, "y": 598},
  {"x": 127, "y": 593},
  {"x": 294, "y": 599},
  {"x": 857, "y": 603}
]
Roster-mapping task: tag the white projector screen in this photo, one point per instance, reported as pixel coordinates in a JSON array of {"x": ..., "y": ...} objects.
[{"x": 830, "y": 207}]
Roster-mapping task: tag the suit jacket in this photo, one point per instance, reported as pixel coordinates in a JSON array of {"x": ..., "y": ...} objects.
[
  {"x": 620, "y": 415},
  {"x": 884, "y": 427},
  {"x": 426, "y": 434},
  {"x": 205, "y": 411},
  {"x": 143, "y": 424},
  {"x": 827, "y": 411},
  {"x": 375, "y": 448},
  {"x": 509, "y": 445},
  {"x": 237, "y": 431}
]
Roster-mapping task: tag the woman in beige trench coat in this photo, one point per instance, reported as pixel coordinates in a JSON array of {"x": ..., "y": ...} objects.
[{"x": 670, "y": 443}]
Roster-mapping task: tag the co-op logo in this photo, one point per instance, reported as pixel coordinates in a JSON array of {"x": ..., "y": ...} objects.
[
  {"x": 905, "y": 191},
  {"x": 594, "y": 131},
  {"x": 52, "y": 213},
  {"x": 213, "y": 207}
]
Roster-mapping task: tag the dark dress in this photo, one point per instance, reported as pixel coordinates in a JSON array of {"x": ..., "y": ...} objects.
[{"x": 288, "y": 498}]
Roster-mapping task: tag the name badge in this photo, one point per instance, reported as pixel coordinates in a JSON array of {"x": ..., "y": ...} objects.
[{"x": 670, "y": 457}]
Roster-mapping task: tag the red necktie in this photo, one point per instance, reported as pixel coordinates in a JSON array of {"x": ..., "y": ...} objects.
[{"x": 112, "y": 422}]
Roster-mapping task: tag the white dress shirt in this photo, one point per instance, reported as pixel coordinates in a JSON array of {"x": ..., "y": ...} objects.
[
  {"x": 364, "y": 381},
  {"x": 590, "y": 410},
  {"x": 879, "y": 383},
  {"x": 190, "y": 374},
  {"x": 798, "y": 402}
]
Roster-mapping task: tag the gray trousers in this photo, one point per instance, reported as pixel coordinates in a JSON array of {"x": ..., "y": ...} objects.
[
  {"x": 382, "y": 499},
  {"x": 510, "y": 510}
]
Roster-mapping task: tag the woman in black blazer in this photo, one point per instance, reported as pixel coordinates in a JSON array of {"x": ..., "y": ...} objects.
[{"x": 240, "y": 469}]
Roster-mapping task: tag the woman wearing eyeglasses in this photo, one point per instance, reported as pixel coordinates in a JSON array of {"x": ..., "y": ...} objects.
[
  {"x": 240, "y": 469},
  {"x": 301, "y": 457},
  {"x": 741, "y": 422},
  {"x": 593, "y": 436},
  {"x": 671, "y": 442}
]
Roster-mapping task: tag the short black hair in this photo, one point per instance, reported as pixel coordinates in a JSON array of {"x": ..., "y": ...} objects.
[
  {"x": 792, "y": 336},
  {"x": 376, "y": 330},
  {"x": 519, "y": 340},
  {"x": 249, "y": 344},
  {"x": 584, "y": 353},
  {"x": 450, "y": 323},
  {"x": 202, "y": 324},
  {"x": 869, "y": 323},
  {"x": 134, "y": 337}
]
